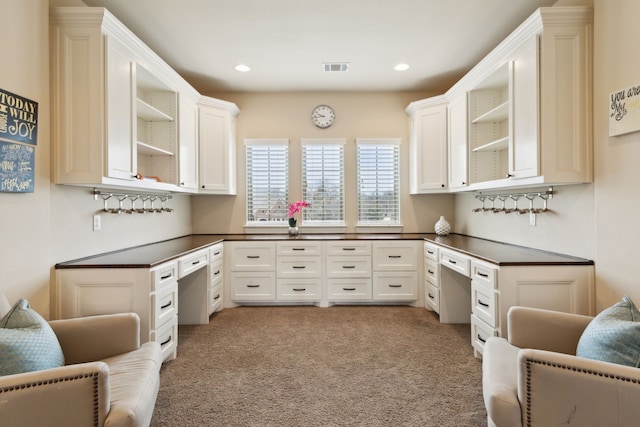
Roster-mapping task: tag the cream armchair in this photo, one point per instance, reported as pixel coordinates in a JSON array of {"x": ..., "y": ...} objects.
[
  {"x": 535, "y": 379},
  {"x": 108, "y": 378}
]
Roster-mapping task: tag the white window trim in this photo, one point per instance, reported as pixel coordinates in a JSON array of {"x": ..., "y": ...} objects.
[
  {"x": 259, "y": 227},
  {"x": 364, "y": 227},
  {"x": 325, "y": 226}
]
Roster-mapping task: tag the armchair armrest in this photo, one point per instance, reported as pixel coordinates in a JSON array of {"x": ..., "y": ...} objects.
[
  {"x": 544, "y": 329},
  {"x": 87, "y": 339},
  {"x": 559, "y": 389},
  {"x": 69, "y": 395}
]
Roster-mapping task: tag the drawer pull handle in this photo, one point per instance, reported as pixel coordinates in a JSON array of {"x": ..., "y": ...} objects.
[
  {"x": 481, "y": 339},
  {"x": 253, "y": 256},
  {"x": 395, "y": 286},
  {"x": 166, "y": 277},
  {"x": 299, "y": 289},
  {"x": 431, "y": 272},
  {"x": 299, "y": 266},
  {"x": 166, "y": 342},
  {"x": 395, "y": 256},
  {"x": 431, "y": 296},
  {"x": 253, "y": 286},
  {"x": 216, "y": 273},
  {"x": 348, "y": 289},
  {"x": 348, "y": 266},
  {"x": 483, "y": 304},
  {"x": 348, "y": 249},
  {"x": 162, "y": 307},
  {"x": 430, "y": 252},
  {"x": 195, "y": 262},
  {"x": 482, "y": 275},
  {"x": 452, "y": 261},
  {"x": 216, "y": 253},
  {"x": 216, "y": 297},
  {"x": 298, "y": 249}
]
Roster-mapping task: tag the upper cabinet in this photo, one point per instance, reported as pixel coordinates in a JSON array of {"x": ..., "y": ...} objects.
[
  {"x": 428, "y": 145},
  {"x": 121, "y": 117},
  {"x": 217, "y": 143},
  {"x": 522, "y": 116}
]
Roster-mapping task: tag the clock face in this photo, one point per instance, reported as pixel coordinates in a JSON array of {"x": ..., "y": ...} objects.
[{"x": 323, "y": 116}]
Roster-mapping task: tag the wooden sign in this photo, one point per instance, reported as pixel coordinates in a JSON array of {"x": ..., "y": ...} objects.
[
  {"x": 624, "y": 111},
  {"x": 18, "y": 118},
  {"x": 16, "y": 167}
]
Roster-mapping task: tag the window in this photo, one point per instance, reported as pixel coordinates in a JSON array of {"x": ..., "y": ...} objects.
[
  {"x": 323, "y": 181},
  {"x": 267, "y": 181},
  {"x": 378, "y": 181}
]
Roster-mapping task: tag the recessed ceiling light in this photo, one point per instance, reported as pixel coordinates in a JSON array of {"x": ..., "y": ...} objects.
[
  {"x": 242, "y": 68},
  {"x": 402, "y": 67}
]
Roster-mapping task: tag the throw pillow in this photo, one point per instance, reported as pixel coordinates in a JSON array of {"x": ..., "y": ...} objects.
[
  {"x": 613, "y": 335},
  {"x": 27, "y": 342}
]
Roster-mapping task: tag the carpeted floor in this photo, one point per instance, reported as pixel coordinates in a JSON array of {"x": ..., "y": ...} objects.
[{"x": 310, "y": 366}]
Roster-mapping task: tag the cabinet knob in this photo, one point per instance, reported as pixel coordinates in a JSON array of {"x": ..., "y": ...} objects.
[{"x": 509, "y": 175}]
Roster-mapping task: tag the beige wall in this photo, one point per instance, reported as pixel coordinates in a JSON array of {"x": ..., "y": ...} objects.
[{"x": 287, "y": 115}]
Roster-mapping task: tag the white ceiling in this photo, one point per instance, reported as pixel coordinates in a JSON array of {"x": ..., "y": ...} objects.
[{"x": 285, "y": 42}]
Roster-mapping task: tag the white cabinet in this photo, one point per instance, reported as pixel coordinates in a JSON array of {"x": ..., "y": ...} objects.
[
  {"x": 431, "y": 277},
  {"x": 217, "y": 146},
  {"x": 299, "y": 270},
  {"x": 252, "y": 267},
  {"x": 395, "y": 271},
  {"x": 215, "y": 291},
  {"x": 188, "y": 142},
  {"x": 348, "y": 267},
  {"x": 458, "y": 137},
  {"x": 428, "y": 145}
]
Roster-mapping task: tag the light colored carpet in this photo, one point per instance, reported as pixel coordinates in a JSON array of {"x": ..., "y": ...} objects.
[{"x": 310, "y": 366}]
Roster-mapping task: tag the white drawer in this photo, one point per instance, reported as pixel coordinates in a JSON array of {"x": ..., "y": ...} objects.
[
  {"x": 299, "y": 267},
  {"x": 431, "y": 251},
  {"x": 484, "y": 303},
  {"x": 480, "y": 332},
  {"x": 395, "y": 286},
  {"x": 349, "y": 290},
  {"x": 215, "y": 271},
  {"x": 165, "y": 305},
  {"x": 167, "y": 336},
  {"x": 456, "y": 261},
  {"x": 192, "y": 262},
  {"x": 394, "y": 256},
  {"x": 432, "y": 271},
  {"x": 254, "y": 256},
  {"x": 216, "y": 252},
  {"x": 299, "y": 248},
  {"x": 431, "y": 298},
  {"x": 253, "y": 286},
  {"x": 214, "y": 295},
  {"x": 349, "y": 247},
  {"x": 298, "y": 289},
  {"x": 164, "y": 275},
  {"x": 483, "y": 272},
  {"x": 348, "y": 266}
]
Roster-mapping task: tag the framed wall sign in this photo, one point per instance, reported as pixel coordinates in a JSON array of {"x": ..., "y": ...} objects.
[
  {"x": 16, "y": 167},
  {"x": 624, "y": 110}
]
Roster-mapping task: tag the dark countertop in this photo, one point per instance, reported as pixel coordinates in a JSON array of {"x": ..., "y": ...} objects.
[{"x": 153, "y": 254}]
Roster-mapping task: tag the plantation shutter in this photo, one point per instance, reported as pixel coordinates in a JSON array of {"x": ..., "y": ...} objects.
[
  {"x": 267, "y": 180},
  {"x": 378, "y": 181},
  {"x": 323, "y": 181}
]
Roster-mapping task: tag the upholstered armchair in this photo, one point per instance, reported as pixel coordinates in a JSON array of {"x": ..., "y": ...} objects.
[
  {"x": 534, "y": 378},
  {"x": 108, "y": 379}
]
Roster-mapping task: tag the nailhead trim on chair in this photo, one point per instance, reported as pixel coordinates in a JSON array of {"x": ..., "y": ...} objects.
[
  {"x": 530, "y": 362},
  {"x": 94, "y": 376}
]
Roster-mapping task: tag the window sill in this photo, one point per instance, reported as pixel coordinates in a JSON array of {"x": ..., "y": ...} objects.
[
  {"x": 378, "y": 228},
  {"x": 284, "y": 229}
]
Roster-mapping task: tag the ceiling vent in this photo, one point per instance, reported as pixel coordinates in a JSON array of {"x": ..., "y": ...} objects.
[{"x": 335, "y": 67}]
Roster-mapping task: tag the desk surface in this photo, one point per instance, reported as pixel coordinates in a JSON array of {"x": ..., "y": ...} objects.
[{"x": 153, "y": 254}]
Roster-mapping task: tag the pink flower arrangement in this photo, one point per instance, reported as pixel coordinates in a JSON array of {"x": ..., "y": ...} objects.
[{"x": 294, "y": 208}]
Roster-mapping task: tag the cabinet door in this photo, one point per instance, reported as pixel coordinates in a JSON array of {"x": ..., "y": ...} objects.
[
  {"x": 524, "y": 154},
  {"x": 217, "y": 151},
  {"x": 188, "y": 141},
  {"x": 429, "y": 150},
  {"x": 121, "y": 147},
  {"x": 458, "y": 142}
]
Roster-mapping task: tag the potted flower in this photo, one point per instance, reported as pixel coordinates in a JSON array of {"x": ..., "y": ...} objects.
[{"x": 295, "y": 208}]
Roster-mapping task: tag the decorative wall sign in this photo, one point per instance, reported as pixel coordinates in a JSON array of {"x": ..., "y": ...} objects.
[
  {"x": 18, "y": 118},
  {"x": 624, "y": 111},
  {"x": 16, "y": 167}
]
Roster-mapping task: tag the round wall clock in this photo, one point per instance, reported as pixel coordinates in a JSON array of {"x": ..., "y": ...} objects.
[{"x": 323, "y": 116}]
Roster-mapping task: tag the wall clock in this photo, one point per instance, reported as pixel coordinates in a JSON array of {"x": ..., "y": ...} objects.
[{"x": 323, "y": 116}]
